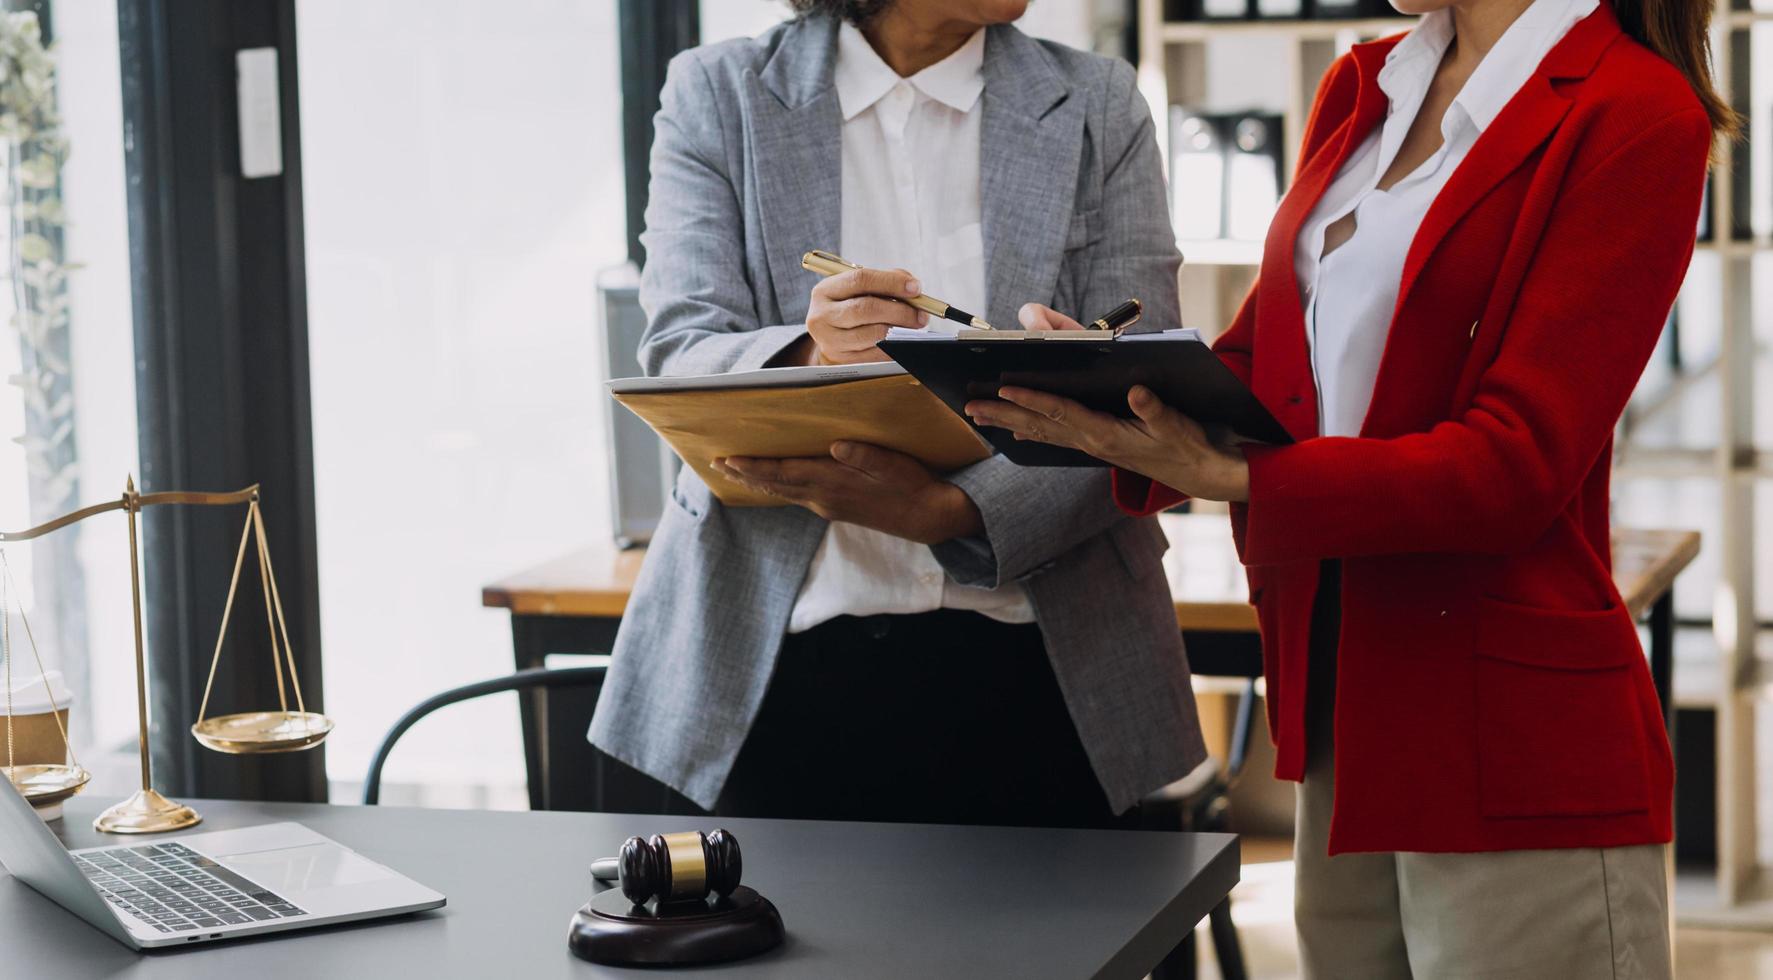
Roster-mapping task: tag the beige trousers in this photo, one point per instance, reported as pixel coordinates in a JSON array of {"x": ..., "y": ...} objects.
[{"x": 1574, "y": 914}]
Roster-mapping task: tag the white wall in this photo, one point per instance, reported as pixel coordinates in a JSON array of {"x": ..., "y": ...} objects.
[{"x": 725, "y": 19}]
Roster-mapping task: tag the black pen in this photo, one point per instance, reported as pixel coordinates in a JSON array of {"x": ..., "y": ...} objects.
[{"x": 1119, "y": 318}]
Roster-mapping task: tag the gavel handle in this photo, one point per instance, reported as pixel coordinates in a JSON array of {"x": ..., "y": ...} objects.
[{"x": 604, "y": 869}]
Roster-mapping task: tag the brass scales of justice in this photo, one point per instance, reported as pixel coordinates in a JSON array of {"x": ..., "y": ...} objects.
[{"x": 249, "y": 733}]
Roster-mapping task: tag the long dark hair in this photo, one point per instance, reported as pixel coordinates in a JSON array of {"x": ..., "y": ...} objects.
[
  {"x": 857, "y": 12},
  {"x": 1680, "y": 31}
]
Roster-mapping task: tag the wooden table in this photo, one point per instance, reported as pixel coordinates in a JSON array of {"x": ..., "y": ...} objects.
[
  {"x": 1206, "y": 580},
  {"x": 574, "y": 604},
  {"x": 595, "y": 582}
]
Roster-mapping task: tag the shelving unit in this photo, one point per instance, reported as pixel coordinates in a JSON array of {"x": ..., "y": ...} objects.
[
  {"x": 1174, "y": 70},
  {"x": 1177, "y": 67}
]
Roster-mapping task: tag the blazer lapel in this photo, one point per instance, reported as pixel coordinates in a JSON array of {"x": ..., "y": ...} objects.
[
  {"x": 1516, "y": 132},
  {"x": 1522, "y": 126},
  {"x": 1031, "y": 137},
  {"x": 796, "y": 158}
]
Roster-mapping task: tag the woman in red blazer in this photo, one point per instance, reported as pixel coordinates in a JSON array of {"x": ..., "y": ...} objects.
[{"x": 1491, "y": 219}]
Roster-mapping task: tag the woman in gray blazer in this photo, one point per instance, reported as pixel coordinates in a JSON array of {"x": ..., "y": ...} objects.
[{"x": 995, "y": 645}]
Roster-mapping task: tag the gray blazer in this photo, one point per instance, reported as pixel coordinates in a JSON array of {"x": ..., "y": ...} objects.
[{"x": 746, "y": 176}]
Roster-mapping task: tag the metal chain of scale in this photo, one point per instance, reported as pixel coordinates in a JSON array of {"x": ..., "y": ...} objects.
[
  {"x": 260, "y": 731},
  {"x": 43, "y": 784}
]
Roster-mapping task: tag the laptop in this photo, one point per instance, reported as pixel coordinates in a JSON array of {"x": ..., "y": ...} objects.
[{"x": 204, "y": 887}]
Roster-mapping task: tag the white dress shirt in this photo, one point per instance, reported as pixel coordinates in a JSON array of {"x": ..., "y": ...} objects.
[
  {"x": 1350, "y": 295},
  {"x": 910, "y": 201}
]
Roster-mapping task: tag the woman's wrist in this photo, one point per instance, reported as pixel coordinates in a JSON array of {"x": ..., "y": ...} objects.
[
  {"x": 1220, "y": 473},
  {"x": 952, "y": 514},
  {"x": 1237, "y": 476}
]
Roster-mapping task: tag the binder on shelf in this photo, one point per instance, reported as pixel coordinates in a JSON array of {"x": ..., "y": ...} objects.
[
  {"x": 1282, "y": 9},
  {"x": 1225, "y": 9},
  {"x": 1738, "y": 183},
  {"x": 1252, "y": 175},
  {"x": 1339, "y": 9},
  {"x": 1741, "y": 155},
  {"x": 1197, "y": 176},
  {"x": 1704, "y": 232},
  {"x": 1225, "y": 174}
]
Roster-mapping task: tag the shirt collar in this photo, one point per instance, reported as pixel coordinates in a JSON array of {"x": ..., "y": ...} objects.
[
  {"x": 1410, "y": 66},
  {"x": 1411, "y": 63},
  {"x": 1516, "y": 56},
  {"x": 862, "y": 78}
]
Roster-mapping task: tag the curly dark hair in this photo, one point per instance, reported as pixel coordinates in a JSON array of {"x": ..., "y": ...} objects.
[{"x": 857, "y": 12}]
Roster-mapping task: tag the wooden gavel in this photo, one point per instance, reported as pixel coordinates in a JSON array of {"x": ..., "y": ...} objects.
[{"x": 674, "y": 867}]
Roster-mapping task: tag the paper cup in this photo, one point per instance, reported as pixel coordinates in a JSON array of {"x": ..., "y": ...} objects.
[{"x": 36, "y": 738}]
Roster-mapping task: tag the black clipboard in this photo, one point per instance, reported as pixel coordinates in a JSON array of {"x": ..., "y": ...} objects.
[{"x": 1177, "y": 365}]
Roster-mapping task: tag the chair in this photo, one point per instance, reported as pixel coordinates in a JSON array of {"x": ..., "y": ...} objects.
[{"x": 538, "y": 678}]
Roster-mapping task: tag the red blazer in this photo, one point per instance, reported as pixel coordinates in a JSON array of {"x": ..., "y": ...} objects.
[{"x": 1492, "y": 691}]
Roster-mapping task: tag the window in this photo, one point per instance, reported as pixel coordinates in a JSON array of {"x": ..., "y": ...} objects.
[
  {"x": 67, "y": 378},
  {"x": 462, "y": 171}
]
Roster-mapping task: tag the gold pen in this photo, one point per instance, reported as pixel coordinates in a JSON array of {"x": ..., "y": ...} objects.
[{"x": 826, "y": 264}]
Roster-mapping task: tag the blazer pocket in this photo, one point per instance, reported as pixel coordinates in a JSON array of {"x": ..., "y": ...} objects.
[{"x": 1559, "y": 723}]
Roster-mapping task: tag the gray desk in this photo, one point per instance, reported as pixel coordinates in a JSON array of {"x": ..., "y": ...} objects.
[{"x": 860, "y": 900}]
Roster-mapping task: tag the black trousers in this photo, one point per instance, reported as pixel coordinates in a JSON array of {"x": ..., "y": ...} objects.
[{"x": 941, "y": 717}]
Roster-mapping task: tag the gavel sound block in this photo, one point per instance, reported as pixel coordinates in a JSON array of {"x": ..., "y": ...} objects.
[{"x": 680, "y": 902}]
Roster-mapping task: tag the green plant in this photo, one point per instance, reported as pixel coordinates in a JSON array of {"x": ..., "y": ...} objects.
[
  {"x": 36, "y": 272},
  {"x": 37, "y": 277}
]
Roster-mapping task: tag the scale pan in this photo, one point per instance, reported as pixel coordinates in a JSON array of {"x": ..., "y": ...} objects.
[
  {"x": 258, "y": 732},
  {"x": 47, "y": 785}
]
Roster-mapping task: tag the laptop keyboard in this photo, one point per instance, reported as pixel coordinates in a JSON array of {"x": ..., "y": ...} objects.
[{"x": 175, "y": 889}]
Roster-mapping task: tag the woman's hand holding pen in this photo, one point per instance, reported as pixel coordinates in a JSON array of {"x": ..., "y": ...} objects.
[
  {"x": 852, "y": 312},
  {"x": 866, "y": 485},
  {"x": 1159, "y": 442}
]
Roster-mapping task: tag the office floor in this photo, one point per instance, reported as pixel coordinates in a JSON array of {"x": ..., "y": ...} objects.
[{"x": 1262, "y": 907}]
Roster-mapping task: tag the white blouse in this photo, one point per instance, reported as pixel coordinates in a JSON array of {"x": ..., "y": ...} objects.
[
  {"x": 1350, "y": 295},
  {"x": 911, "y": 200}
]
